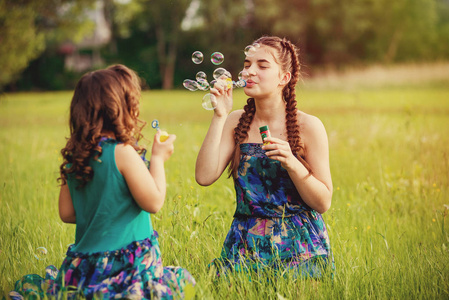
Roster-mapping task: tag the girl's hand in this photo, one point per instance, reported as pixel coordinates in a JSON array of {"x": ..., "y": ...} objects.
[
  {"x": 223, "y": 95},
  {"x": 163, "y": 149},
  {"x": 280, "y": 150}
]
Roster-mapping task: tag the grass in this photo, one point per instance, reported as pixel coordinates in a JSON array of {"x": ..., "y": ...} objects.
[{"x": 388, "y": 222}]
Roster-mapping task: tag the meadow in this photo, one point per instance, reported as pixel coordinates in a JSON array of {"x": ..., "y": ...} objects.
[{"x": 388, "y": 222}]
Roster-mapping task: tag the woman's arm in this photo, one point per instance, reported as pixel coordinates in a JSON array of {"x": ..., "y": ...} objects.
[
  {"x": 147, "y": 188},
  {"x": 315, "y": 188},
  {"x": 216, "y": 150},
  {"x": 66, "y": 209},
  {"x": 218, "y": 144}
]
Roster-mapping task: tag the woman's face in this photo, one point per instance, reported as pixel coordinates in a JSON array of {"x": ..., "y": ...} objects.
[{"x": 264, "y": 75}]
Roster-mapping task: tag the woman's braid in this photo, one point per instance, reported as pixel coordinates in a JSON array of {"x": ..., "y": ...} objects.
[{"x": 241, "y": 133}]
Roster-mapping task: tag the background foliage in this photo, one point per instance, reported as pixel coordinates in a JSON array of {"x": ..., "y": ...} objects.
[
  {"x": 29, "y": 28},
  {"x": 157, "y": 37}
]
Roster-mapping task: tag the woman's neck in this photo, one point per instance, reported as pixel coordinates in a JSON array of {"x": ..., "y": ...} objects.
[{"x": 269, "y": 110}]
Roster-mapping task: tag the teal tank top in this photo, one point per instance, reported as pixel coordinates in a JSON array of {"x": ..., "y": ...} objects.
[{"x": 107, "y": 216}]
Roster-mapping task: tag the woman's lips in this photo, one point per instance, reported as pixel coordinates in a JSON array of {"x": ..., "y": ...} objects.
[{"x": 250, "y": 83}]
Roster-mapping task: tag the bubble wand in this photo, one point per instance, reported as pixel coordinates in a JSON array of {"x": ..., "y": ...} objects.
[{"x": 164, "y": 135}]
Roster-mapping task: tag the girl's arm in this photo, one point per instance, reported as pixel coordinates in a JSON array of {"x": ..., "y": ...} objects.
[
  {"x": 218, "y": 144},
  {"x": 66, "y": 209},
  {"x": 315, "y": 188},
  {"x": 147, "y": 188}
]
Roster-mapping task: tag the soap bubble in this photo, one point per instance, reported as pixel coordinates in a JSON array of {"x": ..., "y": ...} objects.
[
  {"x": 203, "y": 84},
  {"x": 191, "y": 85},
  {"x": 250, "y": 50},
  {"x": 243, "y": 75},
  {"x": 201, "y": 75},
  {"x": 209, "y": 102},
  {"x": 220, "y": 72},
  {"x": 197, "y": 57},
  {"x": 212, "y": 83},
  {"x": 217, "y": 58},
  {"x": 223, "y": 74},
  {"x": 40, "y": 253},
  {"x": 238, "y": 84},
  {"x": 256, "y": 45}
]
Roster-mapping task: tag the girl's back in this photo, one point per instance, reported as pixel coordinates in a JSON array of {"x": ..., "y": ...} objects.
[{"x": 107, "y": 217}]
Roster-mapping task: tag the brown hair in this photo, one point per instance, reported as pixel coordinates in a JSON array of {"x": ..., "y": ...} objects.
[
  {"x": 104, "y": 100},
  {"x": 287, "y": 58}
]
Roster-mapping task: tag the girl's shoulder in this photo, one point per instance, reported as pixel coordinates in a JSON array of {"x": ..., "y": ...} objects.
[
  {"x": 124, "y": 154},
  {"x": 233, "y": 118},
  {"x": 124, "y": 148},
  {"x": 310, "y": 125},
  {"x": 124, "y": 151},
  {"x": 235, "y": 115}
]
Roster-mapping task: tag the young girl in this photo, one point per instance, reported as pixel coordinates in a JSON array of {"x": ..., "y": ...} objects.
[
  {"x": 108, "y": 192},
  {"x": 282, "y": 186}
]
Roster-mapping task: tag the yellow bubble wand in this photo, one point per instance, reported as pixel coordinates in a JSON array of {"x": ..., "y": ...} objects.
[{"x": 164, "y": 135}]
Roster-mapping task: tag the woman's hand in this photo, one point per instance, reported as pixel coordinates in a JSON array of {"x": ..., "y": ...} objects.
[
  {"x": 222, "y": 91},
  {"x": 280, "y": 150}
]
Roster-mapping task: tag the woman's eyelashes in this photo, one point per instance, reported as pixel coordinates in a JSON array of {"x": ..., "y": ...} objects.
[{"x": 262, "y": 67}]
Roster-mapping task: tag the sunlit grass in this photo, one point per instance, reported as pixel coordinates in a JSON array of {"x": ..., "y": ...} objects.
[
  {"x": 374, "y": 76},
  {"x": 388, "y": 222}
]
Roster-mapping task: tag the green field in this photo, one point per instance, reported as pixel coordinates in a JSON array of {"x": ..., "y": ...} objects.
[{"x": 388, "y": 222}]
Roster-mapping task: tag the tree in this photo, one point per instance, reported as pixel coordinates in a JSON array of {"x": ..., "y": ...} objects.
[
  {"x": 406, "y": 30},
  {"x": 147, "y": 26},
  {"x": 162, "y": 19},
  {"x": 26, "y": 26},
  {"x": 167, "y": 31},
  {"x": 441, "y": 47}
]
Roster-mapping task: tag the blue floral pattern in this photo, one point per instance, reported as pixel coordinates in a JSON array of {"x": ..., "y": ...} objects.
[
  {"x": 272, "y": 226},
  {"x": 135, "y": 271}
]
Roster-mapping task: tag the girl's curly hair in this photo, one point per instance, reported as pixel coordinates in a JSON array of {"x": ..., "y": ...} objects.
[
  {"x": 106, "y": 100},
  {"x": 287, "y": 58}
]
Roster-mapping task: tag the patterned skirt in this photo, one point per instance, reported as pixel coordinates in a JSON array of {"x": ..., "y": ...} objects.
[
  {"x": 298, "y": 244},
  {"x": 135, "y": 271}
]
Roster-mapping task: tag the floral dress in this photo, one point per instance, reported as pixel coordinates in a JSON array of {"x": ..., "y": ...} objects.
[
  {"x": 272, "y": 226},
  {"x": 116, "y": 254},
  {"x": 133, "y": 272}
]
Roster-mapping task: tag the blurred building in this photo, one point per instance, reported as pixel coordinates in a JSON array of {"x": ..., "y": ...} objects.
[{"x": 85, "y": 55}]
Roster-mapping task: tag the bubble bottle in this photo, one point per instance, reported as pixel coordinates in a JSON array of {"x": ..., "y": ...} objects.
[{"x": 264, "y": 133}]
